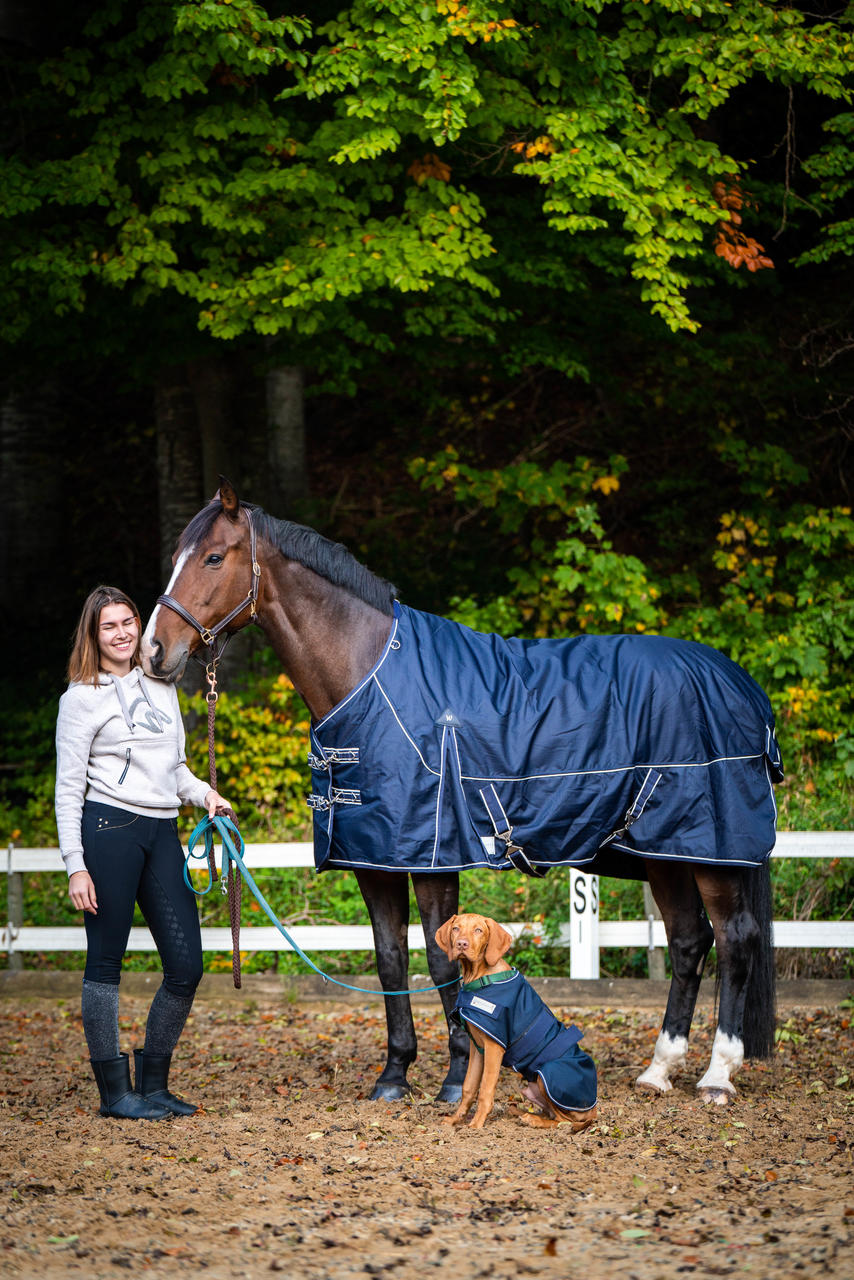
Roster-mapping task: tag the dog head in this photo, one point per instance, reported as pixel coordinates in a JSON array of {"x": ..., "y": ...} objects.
[{"x": 476, "y": 941}]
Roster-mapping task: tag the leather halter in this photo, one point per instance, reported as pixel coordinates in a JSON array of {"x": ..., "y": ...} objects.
[{"x": 209, "y": 634}]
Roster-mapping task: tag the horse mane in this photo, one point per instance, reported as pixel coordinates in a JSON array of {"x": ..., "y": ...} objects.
[{"x": 330, "y": 560}]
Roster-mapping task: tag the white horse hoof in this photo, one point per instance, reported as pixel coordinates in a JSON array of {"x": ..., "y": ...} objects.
[
  {"x": 720, "y": 1097},
  {"x": 653, "y": 1082}
]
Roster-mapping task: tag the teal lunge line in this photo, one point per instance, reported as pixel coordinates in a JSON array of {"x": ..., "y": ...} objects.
[{"x": 228, "y": 831}]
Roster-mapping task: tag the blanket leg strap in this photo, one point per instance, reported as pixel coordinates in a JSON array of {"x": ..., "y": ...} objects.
[{"x": 516, "y": 855}]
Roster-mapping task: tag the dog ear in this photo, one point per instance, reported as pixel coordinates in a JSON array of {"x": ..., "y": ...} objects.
[
  {"x": 499, "y": 942},
  {"x": 443, "y": 937}
]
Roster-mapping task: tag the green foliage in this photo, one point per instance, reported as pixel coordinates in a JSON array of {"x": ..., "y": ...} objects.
[
  {"x": 28, "y": 775},
  {"x": 833, "y": 168},
  {"x": 777, "y": 593},
  {"x": 293, "y": 175},
  {"x": 579, "y": 581},
  {"x": 261, "y": 752}
]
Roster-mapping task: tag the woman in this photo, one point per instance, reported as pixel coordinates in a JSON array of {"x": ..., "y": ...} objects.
[{"x": 121, "y": 777}]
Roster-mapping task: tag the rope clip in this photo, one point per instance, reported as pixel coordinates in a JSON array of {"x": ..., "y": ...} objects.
[{"x": 210, "y": 674}]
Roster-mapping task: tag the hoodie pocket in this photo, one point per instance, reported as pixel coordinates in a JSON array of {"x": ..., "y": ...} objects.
[{"x": 124, "y": 772}]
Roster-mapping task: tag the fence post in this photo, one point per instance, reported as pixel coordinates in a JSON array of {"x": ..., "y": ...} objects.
[
  {"x": 14, "y": 911},
  {"x": 583, "y": 925},
  {"x": 655, "y": 955}
]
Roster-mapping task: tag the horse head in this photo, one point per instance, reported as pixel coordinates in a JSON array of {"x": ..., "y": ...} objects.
[{"x": 213, "y": 588}]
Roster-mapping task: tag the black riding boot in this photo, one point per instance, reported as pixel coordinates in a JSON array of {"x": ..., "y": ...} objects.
[
  {"x": 118, "y": 1097},
  {"x": 152, "y": 1078}
]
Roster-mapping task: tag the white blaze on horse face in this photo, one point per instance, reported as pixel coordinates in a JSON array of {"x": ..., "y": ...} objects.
[
  {"x": 150, "y": 630},
  {"x": 727, "y": 1057},
  {"x": 669, "y": 1056}
]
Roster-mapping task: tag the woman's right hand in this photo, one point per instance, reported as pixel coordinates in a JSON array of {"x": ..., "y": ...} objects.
[{"x": 81, "y": 891}]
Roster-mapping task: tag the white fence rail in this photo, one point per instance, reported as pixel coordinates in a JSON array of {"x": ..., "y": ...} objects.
[{"x": 584, "y": 933}]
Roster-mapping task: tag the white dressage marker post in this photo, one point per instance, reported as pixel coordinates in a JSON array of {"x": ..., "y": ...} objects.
[{"x": 583, "y": 925}]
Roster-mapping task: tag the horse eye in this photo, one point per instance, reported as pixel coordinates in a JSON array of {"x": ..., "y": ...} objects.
[{"x": 214, "y": 560}]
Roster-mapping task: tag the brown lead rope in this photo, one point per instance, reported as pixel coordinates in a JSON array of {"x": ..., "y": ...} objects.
[
  {"x": 235, "y": 880},
  {"x": 209, "y": 637}
]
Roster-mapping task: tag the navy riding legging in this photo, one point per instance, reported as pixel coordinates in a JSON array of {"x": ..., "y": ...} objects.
[{"x": 135, "y": 859}]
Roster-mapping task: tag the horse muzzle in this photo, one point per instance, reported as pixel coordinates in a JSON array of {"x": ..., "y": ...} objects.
[{"x": 160, "y": 665}]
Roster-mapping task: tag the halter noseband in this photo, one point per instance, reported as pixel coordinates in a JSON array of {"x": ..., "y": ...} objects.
[{"x": 209, "y": 634}]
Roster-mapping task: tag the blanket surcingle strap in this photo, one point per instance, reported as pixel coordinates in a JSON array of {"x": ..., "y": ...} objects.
[{"x": 461, "y": 749}]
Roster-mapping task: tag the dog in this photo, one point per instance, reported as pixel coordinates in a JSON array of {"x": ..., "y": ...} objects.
[{"x": 509, "y": 1024}]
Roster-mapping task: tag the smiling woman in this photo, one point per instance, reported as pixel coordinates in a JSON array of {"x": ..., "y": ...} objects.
[
  {"x": 118, "y": 639},
  {"x": 121, "y": 778}
]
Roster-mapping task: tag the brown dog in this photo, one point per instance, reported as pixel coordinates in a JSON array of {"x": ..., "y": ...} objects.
[{"x": 506, "y": 1003}]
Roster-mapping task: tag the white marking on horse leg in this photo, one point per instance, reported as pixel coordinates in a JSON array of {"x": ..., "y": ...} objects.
[
  {"x": 668, "y": 1057},
  {"x": 727, "y": 1057},
  {"x": 152, "y": 621}
]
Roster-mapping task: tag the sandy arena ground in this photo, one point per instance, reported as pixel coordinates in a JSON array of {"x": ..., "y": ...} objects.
[{"x": 288, "y": 1167}]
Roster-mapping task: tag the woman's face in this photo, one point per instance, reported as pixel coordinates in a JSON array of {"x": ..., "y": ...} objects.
[{"x": 118, "y": 636}]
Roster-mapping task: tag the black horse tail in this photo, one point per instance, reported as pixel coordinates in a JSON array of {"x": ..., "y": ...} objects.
[{"x": 760, "y": 1012}]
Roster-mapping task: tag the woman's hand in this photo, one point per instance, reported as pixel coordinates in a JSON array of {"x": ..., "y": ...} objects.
[
  {"x": 215, "y": 804},
  {"x": 81, "y": 891}
]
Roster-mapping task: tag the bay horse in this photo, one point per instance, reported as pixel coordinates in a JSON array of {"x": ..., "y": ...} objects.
[{"x": 329, "y": 621}]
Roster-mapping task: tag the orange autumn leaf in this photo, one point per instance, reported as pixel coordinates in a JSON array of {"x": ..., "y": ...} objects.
[{"x": 429, "y": 166}]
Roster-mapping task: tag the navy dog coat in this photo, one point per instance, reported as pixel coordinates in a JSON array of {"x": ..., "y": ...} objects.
[
  {"x": 461, "y": 749},
  {"x": 507, "y": 1009}
]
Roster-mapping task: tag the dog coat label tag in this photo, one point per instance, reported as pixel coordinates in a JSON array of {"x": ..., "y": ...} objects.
[{"x": 477, "y": 1002}]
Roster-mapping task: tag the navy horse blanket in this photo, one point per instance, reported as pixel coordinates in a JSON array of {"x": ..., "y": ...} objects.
[{"x": 461, "y": 750}]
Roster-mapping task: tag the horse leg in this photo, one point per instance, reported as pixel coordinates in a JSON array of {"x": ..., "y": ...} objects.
[
  {"x": 689, "y": 940},
  {"x": 438, "y": 898},
  {"x": 386, "y": 895},
  {"x": 737, "y": 915}
]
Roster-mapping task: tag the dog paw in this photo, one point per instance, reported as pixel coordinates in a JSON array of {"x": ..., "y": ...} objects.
[{"x": 537, "y": 1121}]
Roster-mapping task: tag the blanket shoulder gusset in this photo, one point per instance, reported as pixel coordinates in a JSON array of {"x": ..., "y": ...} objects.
[{"x": 461, "y": 748}]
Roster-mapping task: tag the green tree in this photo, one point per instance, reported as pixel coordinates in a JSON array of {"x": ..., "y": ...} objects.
[{"x": 271, "y": 176}]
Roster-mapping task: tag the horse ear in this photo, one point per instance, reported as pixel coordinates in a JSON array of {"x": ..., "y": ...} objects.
[
  {"x": 228, "y": 498},
  {"x": 499, "y": 942}
]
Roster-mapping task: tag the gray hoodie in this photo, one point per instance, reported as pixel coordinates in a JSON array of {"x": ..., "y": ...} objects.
[{"x": 120, "y": 742}]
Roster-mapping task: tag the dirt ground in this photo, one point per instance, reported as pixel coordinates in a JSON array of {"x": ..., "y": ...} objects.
[{"x": 289, "y": 1168}]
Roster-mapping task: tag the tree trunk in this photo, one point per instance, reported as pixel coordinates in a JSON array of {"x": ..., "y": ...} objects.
[
  {"x": 32, "y": 511},
  {"x": 179, "y": 461},
  {"x": 288, "y": 483},
  {"x": 212, "y": 384}
]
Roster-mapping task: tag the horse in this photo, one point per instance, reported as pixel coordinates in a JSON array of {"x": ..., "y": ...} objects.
[{"x": 331, "y": 621}]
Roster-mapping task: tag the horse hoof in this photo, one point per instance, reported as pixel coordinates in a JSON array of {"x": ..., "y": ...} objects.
[
  {"x": 719, "y": 1097},
  {"x": 389, "y": 1092},
  {"x": 450, "y": 1093},
  {"x": 654, "y": 1083}
]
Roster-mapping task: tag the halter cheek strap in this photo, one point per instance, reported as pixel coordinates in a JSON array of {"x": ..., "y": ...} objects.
[{"x": 209, "y": 634}]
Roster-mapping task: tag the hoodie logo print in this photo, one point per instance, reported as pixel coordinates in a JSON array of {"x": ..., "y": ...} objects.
[{"x": 153, "y": 719}]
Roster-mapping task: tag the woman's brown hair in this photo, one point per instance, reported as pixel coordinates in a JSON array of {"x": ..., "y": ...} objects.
[{"x": 84, "y": 663}]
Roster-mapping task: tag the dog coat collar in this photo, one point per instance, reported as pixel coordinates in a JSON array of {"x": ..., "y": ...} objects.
[{"x": 489, "y": 978}]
